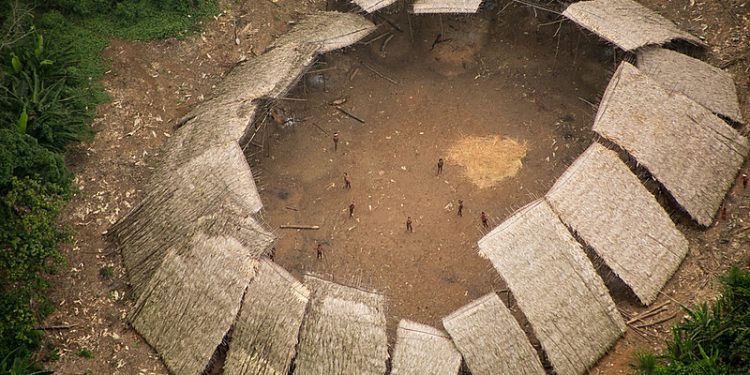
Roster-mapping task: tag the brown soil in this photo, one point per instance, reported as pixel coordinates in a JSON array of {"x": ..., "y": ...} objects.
[
  {"x": 513, "y": 76},
  {"x": 508, "y": 96}
]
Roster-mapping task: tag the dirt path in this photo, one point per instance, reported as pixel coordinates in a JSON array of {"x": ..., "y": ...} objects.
[{"x": 492, "y": 78}]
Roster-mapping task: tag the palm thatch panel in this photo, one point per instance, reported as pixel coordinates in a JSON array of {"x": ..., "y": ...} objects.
[
  {"x": 424, "y": 350},
  {"x": 327, "y": 31},
  {"x": 227, "y": 115},
  {"x": 370, "y": 6},
  {"x": 188, "y": 245},
  {"x": 213, "y": 194},
  {"x": 189, "y": 304},
  {"x": 626, "y": 23},
  {"x": 265, "y": 334},
  {"x": 446, "y": 6},
  {"x": 490, "y": 339},
  {"x": 601, "y": 200},
  {"x": 343, "y": 331},
  {"x": 555, "y": 286},
  {"x": 692, "y": 152},
  {"x": 710, "y": 86}
]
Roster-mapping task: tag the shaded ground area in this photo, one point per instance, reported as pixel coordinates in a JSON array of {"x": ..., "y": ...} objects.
[
  {"x": 153, "y": 84},
  {"x": 489, "y": 97}
]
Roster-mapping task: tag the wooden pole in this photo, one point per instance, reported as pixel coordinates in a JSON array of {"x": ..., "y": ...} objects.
[{"x": 296, "y": 226}]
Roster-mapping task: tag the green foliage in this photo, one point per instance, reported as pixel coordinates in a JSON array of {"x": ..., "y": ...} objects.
[
  {"x": 39, "y": 96},
  {"x": 712, "y": 340},
  {"x": 52, "y": 354},
  {"x": 49, "y": 88},
  {"x": 21, "y": 156},
  {"x": 17, "y": 364},
  {"x": 106, "y": 272},
  {"x": 29, "y": 233},
  {"x": 136, "y": 19},
  {"x": 85, "y": 50},
  {"x": 85, "y": 353},
  {"x": 17, "y": 333}
]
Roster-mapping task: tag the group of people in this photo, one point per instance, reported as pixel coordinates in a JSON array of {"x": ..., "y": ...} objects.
[{"x": 409, "y": 223}]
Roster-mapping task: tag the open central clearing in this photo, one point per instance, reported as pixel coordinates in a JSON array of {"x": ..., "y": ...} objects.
[{"x": 490, "y": 98}]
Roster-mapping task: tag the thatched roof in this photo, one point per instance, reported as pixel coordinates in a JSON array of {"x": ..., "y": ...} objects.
[
  {"x": 229, "y": 111},
  {"x": 343, "y": 331},
  {"x": 626, "y": 23},
  {"x": 711, "y": 87},
  {"x": 446, "y": 6},
  {"x": 607, "y": 206},
  {"x": 188, "y": 305},
  {"x": 227, "y": 115},
  {"x": 370, "y": 6},
  {"x": 327, "y": 30},
  {"x": 188, "y": 245},
  {"x": 213, "y": 194},
  {"x": 423, "y": 350},
  {"x": 555, "y": 286},
  {"x": 490, "y": 339},
  {"x": 265, "y": 334},
  {"x": 692, "y": 152}
]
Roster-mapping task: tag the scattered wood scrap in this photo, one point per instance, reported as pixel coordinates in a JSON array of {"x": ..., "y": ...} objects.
[
  {"x": 381, "y": 75},
  {"x": 344, "y": 111},
  {"x": 297, "y": 226}
]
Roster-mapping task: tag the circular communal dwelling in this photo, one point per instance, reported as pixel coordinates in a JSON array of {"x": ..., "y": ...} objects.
[{"x": 589, "y": 229}]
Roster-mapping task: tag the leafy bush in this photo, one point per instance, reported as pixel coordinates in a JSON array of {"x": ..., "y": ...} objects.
[
  {"x": 38, "y": 96},
  {"x": 16, "y": 364},
  {"x": 49, "y": 88},
  {"x": 17, "y": 333},
  {"x": 712, "y": 340},
  {"x": 29, "y": 233},
  {"x": 139, "y": 19},
  {"x": 22, "y": 156},
  {"x": 29, "y": 236},
  {"x": 34, "y": 184}
]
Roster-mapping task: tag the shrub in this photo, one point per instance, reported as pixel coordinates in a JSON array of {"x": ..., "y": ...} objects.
[
  {"x": 15, "y": 364},
  {"x": 29, "y": 236},
  {"x": 38, "y": 96},
  {"x": 29, "y": 232},
  {"x": 711, "y": 340},
  {"x": 21, "y": 156},
  {"x": 141, "y": 20},
  {"x": 17, "y": 333}
]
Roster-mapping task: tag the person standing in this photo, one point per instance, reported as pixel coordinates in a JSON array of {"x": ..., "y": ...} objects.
[
  {"x": 440, "y": 166},
  {"x": 319, "y": 251},
  {"x": 351, "y": 210},
  {"x": 460, "y": 208},
  {"x": 335, "y": 141},
  {"x": 408, "y": 225},
  {"x": 272, "y": 253},
  {"x": 347, "y": 182},
  {"x": 485, "y": 221},
  {"x": 744, "y": 181}
]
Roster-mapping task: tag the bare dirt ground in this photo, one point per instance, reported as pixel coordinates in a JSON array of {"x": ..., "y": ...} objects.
[
  {"x": 513, "y": 75},
  {"x": 505, "y": 103}
]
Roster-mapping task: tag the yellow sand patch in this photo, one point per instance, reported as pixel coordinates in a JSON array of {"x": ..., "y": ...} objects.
[{"x": 487, "y": 160}]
